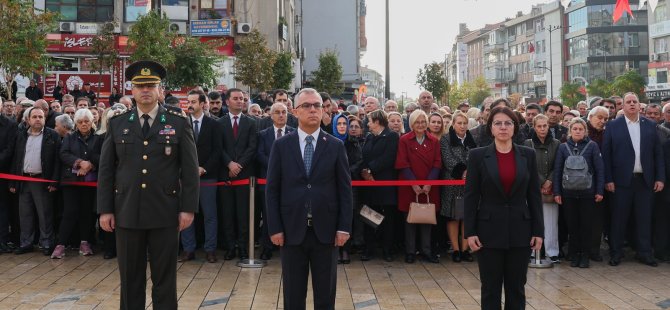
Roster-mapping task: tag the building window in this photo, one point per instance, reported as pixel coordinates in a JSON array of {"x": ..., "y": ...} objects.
[
  {"x": 577, "y": 20},
  {"x": 661, "y": 76},
  {"x": 83, "y": 10},
  {"x": 136, "y": 8},
  {"x": 214, "y": 9},
  {"x": 175, "y": 9},
  {"x": 660, "y": 45},
  {"x": 661, "y": 13}
]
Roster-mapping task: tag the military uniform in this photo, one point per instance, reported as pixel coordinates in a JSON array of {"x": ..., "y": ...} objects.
[{"x": 146, "y": 181}]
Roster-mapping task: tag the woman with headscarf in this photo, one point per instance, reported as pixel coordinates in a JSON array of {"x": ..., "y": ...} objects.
[{"x": 355, "y": 156}]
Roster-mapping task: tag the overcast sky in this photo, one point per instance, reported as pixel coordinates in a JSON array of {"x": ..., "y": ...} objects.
[{"x": 423, "y": 31}]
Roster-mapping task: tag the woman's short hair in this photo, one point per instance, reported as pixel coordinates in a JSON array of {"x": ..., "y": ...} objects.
[
  {"x": 459, "y": 113},
  {"x": 354, "y": 118},
  {"x": 540, "y": 117},
  {"x": 83, "y": 114},
  {"x": 416, "y": 114},
  {"x": 379, "y": 116},
  {"x": 473, "y": 113},
  {"x": 504, "y": 110},
  {"x": 578, "y": 121},
  {"x": 402, "y": 128}
]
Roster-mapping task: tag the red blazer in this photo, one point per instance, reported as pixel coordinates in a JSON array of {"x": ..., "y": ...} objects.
[{"x": 421, "y": 159}]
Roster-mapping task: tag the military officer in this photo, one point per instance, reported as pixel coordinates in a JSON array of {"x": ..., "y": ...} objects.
[{"x": 148, "y": 187}]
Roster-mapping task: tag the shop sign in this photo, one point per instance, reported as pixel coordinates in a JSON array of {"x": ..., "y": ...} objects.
[{"x": 211, "y": 27}]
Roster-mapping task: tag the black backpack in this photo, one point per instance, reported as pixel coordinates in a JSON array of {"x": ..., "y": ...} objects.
[{"x": 576, "y": 174}]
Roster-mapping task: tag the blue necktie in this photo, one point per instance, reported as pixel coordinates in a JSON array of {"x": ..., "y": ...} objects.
[{"x": 309, "y": 152}]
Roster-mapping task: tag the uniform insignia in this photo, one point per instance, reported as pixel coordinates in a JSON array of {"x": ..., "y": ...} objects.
[
  {"x": 162, "y": 118},
  {"x": 168, "y": 131},
  {"x": 168, "y": 150},
  {"x": 145, "y": 71},
  {"x": 126, "y": 131},
  {"x": 132, "y": 117}
]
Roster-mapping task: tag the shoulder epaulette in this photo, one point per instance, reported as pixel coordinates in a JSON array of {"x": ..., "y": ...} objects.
[
  {"x": 182, "y": 114},
  {"x": 119, "y": 113}
]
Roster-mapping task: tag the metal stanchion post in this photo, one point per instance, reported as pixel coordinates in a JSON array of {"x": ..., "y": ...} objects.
[
  {"x": 251, "y": 262},
  {"x": 538, "y": 262}
]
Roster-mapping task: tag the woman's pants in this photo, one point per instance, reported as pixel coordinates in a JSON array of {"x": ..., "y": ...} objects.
[
  {"x": 550, "y": 211},
  {"x": 410, "y": 237},
  {"x": 503, "y": 266},
  {"x": 385, "y": 229},
  {"x": 78, "y": 208},
  {"x": 579, "y": 213}
]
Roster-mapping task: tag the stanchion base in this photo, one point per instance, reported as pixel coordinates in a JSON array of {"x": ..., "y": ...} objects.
[
  {"x": 251, "y": 263},
  {"x": 541, "y": 264}
]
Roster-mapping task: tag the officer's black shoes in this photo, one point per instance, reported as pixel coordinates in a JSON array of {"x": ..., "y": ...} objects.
[
  {"x": 109, "y": 254},
  {"x": 409, "y": 258},
  {"x": 647, "y": 261},
  {"x": 584, "y": 261},
  {"x": 431, "y": 258},
  {"x": 24, "y": 250}
]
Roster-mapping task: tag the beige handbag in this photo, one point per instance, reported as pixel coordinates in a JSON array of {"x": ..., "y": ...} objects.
[{"x": 422, "y": 213}]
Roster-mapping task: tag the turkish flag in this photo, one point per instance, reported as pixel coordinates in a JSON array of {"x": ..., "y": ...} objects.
[{"x": 621, "y": 6}]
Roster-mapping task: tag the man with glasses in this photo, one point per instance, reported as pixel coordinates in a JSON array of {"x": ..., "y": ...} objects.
[
  {"x": 8, "y": 108},
  {"x": 266, "y": 137},
  {"x": 239, "y": 152},
  {"x": 280, "y": 96}
]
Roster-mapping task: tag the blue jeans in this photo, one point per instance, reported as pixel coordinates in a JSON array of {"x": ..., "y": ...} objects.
[{"x": 208, "y": 208}]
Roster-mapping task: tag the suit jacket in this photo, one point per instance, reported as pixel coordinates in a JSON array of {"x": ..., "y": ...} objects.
[
  {"x": 209, "y": 146},
  {"x": 146, "y": 182},
  {"x": 501, "y": 220},
  {"x": 619, "y": 156},
  {"x": 327, "y": 189},
  {"x": 266, "y": 122},
  {"x": 266, "y": 138},
  {"x": 8, "y": 131},
  {"x": 241, "y": 150},
  {"x": 50, "y": 155}
]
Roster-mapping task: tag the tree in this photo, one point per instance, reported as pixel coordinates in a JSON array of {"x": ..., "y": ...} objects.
[
  {"x": 254, "y": 62},
  {"x": 431, "y": 78},
  {"x": 327, "y": 77},
  {"x": 630, "y": 81},
  {"x": 479, "y": 90},
  {"x": 282, "y": 72},
  {"x": 24, "y": 38},
  {"x": 600, "y": 88},
  {"x": 195, "y": 63},
  {"x": 151, "y": 39},
  {"x": 571, "y": 93},
  {"x": 104, "y": 49}
]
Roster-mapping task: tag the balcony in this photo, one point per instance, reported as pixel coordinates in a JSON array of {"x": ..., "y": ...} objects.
[
  {"x": 509, "y": 76},
  {"x": 489, "y": 48}
]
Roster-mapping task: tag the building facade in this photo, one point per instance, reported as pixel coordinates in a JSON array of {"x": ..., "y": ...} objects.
[{"x": 659, "y": 58}]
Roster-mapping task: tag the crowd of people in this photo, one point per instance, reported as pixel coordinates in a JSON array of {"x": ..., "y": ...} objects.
[{"x": 615, "y": 145}]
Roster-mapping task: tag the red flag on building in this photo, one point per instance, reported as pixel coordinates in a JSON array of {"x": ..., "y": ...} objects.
[
  {"x": 621, "y": 6},
  {"x": 531, "y": 48}
]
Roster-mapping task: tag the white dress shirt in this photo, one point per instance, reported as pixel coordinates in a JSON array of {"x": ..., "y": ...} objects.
[
  {"x": 634, "y": 132},
  {"x": 302, "y": 136},
  {"x": 199, "y": 119},
  {"x": 232, "y": 119},
  {"x": 152, "y": 114},
  {"x": 283, "y": 130}
]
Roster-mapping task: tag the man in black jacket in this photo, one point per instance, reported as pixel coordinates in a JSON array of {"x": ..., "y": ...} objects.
[
  {"x": 8, "y": 130},
  {"x": 36, "y": 155},
  {"x": 33, "y": 92},
  {"x": 50, "y": 119}
]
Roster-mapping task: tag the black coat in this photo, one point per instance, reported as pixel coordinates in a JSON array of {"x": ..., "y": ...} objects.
[
  {"x": 379, "y": 153},
  {"x": 8, "y": 131},
  {"x": 50, "y": 154},
  {"x": 76, "y": 147},
  {"x": 209, "y": 147},
  {"x": 266, "y": 138},
  {"x": 355, "y": 156},
  {"x": 502, "y": 221},
  {"x": 241, "y": 150},
  {"x": 50, "y": 120},
  {"x": 266, "y": 122},
  {"x": 34, "y": 93}
]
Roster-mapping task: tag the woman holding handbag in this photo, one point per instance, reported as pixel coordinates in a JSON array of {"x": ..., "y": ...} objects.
[
  {"x": 503, "y": 211},
  {"x": 455, "y": 146},
  {"x": 545, "y": 147},
  {"x": 418, "y": 158}
]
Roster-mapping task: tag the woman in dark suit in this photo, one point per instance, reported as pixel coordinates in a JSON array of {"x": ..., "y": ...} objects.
[
  {"x": 503, "y": 211},
  {"x": 379, "y": 152}
]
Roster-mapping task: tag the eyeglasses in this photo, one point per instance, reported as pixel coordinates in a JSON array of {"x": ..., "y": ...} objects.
[
  {"x": 354, "y": 127},
  {"x": 307, "y": 106},
  {"x": 503, "y": 124},
  {"x": 282, "y": 112}
]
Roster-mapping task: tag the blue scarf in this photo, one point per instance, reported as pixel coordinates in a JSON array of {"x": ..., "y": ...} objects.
[{"x": 337, "y": 134}]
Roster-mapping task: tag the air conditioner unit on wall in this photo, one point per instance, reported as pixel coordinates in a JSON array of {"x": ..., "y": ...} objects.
[
  {"x": 178, "y": 27},
  {"x": 243, "y": 28},
  {"x": 655, "y": 57},
  {"x": 66, "y": 26}
]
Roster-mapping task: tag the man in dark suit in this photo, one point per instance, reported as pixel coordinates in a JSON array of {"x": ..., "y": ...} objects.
[
  {"x": 8, "y": 131},
  {"x": 37, "y": 154},
  {"x": 239, "y": 151},
  {"x": 280, "y": 96},
  {"x": 267, "y": 137},
  {"x": 147, "y": 189},
  {"x": 634, "y": 170},
  {"x": 309, "y": 205},
  {"x": 207, "y": 135},
  {"x": 50, "y": 119}
]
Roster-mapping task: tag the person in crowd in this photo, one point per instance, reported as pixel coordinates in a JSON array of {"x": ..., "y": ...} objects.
[
  {"x": 355, "y": 158},
  {"x": 481, "y": 134},
  {"x": 503, "y": 172},
  {"x": 67, "y": 100},
  {"x": 379, "y": 155},
  {"x": 610, "y": 105},
  {"x": 418, "y": 158},
  {"x": 567, "y": 117},
  {"x": 266, "y": 138},
  {"x": 662, "y": 213},
  {"x": 474, "y": 117},
  {"x": 666, "y": 115},
  {"x": 280, "y": 96},
  {"x": 147, "y": 189},
  {"x": 356, "y": 133},
  {"x": 395, "y": 123},
  {"x": 580, "y": 201},
  {"x": 69, "y": 110},
  {"x": 447, "y": 119},
  {"x": 33, "y": 92},
  {"x": 96, "y": 116},
  {"x": 83, "y": 103},
  {"x": 433, "y": 108},
  {"x": 255, "y": 111},
  {"x": 59, "y": 91},
  {"x": 425, "y": 102},
  {"x": 64, "y": 125},
  {"x": 239, "y": 151},
  {"x": 545, "y": 147},
  {"x": 352, "y": 109},
  {"x": 56, "y": 107},
  {"x": 75, "y": 92},
  {"x": 115, "y": 96},
  {"x": 22, "y": 113},
  {"x": 409, "y": 108},
  {"x": 554, "y": 110},
  {"x": 618, "y": 101},
  {"x": 436, "y": 125},
  {"x": 264, "y": 100},
  {"x": 390, "y": 106},
  {"x": 127, "y": 101},
  {"x": 463, "y": 107},
  {"x": 309, "y": 205},
  {"x": 8, "y": 132},
  {"x": 8, "y": 109},
  {"x": 12, "y": 88},
  {"x": 454, "y": 147},
  {"x": 370, "y": 104},
  {"x": 50, "y": 120},
  {"x": 36, "y": 155},
  {"x": 216, "y": 104},
  {"x": 634, "y": 170},
  {"x": 356, "y": 128},
  {"x": 583, "y": 108},
  {"x": 532, "y": 110},
  {"x": 207, "y": 135},
  {"x": 89, "y": 93},
  {"x": 595, "y": 127},
  {"x": 79, "y": 163}
]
